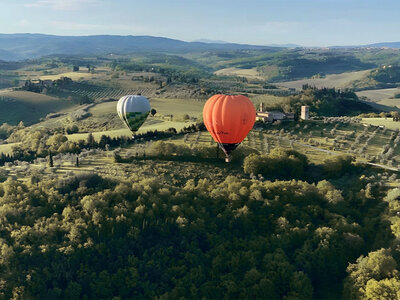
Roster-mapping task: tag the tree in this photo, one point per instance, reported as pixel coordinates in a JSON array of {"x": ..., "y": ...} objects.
[
  {"x": 338, "y": 165},
  {"x": 378, "y": 265},
  {"x": 280, "y": 163},
  {"x": 50, "y": 160},
  {"x": 90, "y": 140}
]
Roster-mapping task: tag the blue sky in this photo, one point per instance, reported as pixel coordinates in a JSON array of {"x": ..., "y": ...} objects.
[{"x": 306, "y": 22}]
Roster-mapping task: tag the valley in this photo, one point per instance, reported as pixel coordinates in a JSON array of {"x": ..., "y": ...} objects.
[{"x": 100, "y": 212}]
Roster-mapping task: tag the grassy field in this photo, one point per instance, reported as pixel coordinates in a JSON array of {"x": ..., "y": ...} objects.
[
  {"x": 16, "y": 106},
  {"x": 176, "y": 107},
  {"x": 387, "y": 122},
  {"x": 106, "y": 113},
  {"x": 330, "y": 81},
  {"x": 248, "y": 73}
]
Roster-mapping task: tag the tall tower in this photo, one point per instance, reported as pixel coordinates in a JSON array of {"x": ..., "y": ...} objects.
[{"x": 305, "y": 114}]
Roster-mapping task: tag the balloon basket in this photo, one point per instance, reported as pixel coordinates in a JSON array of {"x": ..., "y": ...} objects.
[{"x": 227, "y": 159}]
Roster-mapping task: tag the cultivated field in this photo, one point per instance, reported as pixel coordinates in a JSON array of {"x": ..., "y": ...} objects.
[
  {"x": 316, "y": 139},
  {"x": 7, "y": 148}
]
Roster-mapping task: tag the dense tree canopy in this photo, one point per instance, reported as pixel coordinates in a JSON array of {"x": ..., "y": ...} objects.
[{"x": 188, "y": 236}]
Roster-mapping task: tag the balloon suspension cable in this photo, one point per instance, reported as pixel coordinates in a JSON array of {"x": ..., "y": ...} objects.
[{"x": 227, "y": 149}]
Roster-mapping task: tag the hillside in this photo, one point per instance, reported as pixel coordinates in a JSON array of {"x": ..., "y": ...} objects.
[
  {"x": 25, "y": 46},
  {"x": 16, "y": 106}
]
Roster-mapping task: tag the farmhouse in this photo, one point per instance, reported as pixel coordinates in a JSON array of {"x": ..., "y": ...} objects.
[{"x": 272, "y": 116}]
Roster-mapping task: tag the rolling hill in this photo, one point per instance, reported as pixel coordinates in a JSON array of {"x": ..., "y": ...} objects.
[{"x": 16, "y": 106}]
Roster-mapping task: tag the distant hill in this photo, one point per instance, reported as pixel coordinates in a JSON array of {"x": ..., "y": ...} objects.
[{"x": 25, "y": 46}]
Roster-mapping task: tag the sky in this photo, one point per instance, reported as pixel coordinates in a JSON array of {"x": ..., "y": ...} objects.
[{"x": 260, "y": 22}]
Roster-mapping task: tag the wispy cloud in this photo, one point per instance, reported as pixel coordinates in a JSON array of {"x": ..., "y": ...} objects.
[
  {"x": 62, "y": 4},
  {"x": 23, "y": 23}
]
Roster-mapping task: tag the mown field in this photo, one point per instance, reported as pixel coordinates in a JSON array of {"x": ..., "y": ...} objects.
[
  {"x": 81, "y": 75},
  {"x": 382, "y": 96},
  {"x": 248, "y": 73}
]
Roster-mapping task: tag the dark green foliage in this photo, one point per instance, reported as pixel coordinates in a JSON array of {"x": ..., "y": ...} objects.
[
  {"x": 280, "y": 163},
  {"x": 182, "y": 152}
]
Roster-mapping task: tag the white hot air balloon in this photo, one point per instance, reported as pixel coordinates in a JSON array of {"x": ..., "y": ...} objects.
[{"x": 133, "y": 110}]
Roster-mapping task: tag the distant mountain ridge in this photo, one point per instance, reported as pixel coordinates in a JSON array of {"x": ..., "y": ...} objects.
[{"x": 26, "y": 46}]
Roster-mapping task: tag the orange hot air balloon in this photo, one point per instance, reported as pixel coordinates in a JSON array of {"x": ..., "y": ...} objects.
[{"x": 229, "y": 119}]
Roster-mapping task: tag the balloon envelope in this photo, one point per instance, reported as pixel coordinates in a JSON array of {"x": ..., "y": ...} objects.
[
  {"x": 133, "y": 110},
  {"x": 229, "y": 119}
]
